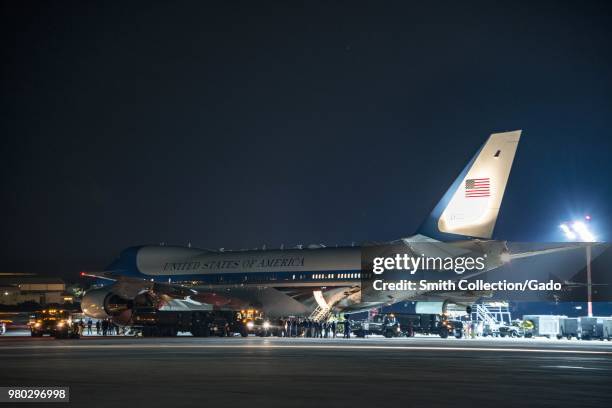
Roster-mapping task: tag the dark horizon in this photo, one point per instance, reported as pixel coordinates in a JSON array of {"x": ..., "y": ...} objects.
[{"x": 242, "y": 125}]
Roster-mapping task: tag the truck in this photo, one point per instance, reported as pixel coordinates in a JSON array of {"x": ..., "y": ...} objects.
[
  {"x": 380, "y": 324},
  {"x": 54, "y": 322},
  {"x": 513, "y": 329},
  {"x": 151, "y": 322},
  {"x": 441, "y": 325},
  {"x": 253, "y": 322}
]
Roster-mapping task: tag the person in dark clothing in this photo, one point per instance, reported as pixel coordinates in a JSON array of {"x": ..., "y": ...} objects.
[
  {"x": 98, "y": 327},
  {"x": 89, "y": 325},
  {"x": 294, "y": 328},
  {"x": 333, "y": 329},
  {"x": 347, "y": 328}
]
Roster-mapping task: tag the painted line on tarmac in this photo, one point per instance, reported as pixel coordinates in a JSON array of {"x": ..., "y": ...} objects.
[
  {"x": 301, "y": 346},
  {"x": 564, "y": 367}
]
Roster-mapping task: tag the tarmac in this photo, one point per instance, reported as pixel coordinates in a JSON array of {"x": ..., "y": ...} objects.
[{"x": 273, "y": 372}]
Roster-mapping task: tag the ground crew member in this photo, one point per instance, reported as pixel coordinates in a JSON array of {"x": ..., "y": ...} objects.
[{"x": 347, "y": 328}]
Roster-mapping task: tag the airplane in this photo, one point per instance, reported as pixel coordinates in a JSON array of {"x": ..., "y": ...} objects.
[{"x": 314, "y": 281}]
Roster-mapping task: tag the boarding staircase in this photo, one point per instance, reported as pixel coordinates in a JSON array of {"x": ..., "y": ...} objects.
[
  {"x": 323, "y": 311},
  {"x": 492, "y": 314},
  {"x": 320, "y": 314}
]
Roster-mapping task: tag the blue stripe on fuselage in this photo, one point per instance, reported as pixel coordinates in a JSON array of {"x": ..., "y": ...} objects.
[{"x": 126, "y": 265}]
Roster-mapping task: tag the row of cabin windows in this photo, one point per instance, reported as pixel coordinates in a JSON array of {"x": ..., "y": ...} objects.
[
  {"x": 340, "y": 276},
  {"x": 245, "y": 278}
]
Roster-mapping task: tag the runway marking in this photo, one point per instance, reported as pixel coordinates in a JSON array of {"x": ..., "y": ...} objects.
[
  {"x": 575, "y": 367},
  {"x": 303, "y": 346}
]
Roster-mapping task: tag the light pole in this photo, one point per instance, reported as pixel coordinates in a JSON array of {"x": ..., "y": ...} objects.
[
  {"x": 573, "y": 231},
  {"x": 589, "y": 283}
]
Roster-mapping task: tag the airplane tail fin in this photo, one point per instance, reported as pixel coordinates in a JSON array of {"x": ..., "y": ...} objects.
[{"x": 469, "y": 208}]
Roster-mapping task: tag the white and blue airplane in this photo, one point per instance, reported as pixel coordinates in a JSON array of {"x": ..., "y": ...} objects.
[{"x": 314, "y": 279}]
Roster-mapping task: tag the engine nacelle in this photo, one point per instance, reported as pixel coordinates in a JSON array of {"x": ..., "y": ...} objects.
[{"x": 104, "y": 303}]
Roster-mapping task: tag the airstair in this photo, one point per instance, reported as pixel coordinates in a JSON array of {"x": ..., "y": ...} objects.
[
  {"x": 492, "y": 313},
  {"x": 323, "y": 311},
  {"x": 320, "y": 314}
]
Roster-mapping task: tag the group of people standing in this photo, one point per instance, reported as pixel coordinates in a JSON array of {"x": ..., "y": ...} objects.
[
  {"x": 103, "y": 327},
  {"x": 108, "y": 327},
  {"x": 304, "y": 327}
]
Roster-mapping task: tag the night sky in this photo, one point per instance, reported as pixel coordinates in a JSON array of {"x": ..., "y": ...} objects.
[{"x": 242, "y": 124}]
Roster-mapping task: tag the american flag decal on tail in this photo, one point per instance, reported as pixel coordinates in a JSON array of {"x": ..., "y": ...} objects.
[{"x": 478, "y": 187}]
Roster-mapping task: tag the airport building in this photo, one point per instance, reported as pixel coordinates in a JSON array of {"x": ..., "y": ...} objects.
[{"x": 43, "y": 290}]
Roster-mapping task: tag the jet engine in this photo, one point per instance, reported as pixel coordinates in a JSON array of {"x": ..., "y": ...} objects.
[
  {"x": 118, "y": 301},
  {"x": 107, "y": 302}
]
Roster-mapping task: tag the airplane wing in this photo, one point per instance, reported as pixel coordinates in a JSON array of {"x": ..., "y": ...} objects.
[
  {"x": 107, "y": 275},
  {"x": 130, "y": 287},
  {"x": 551, "y": 250}
]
